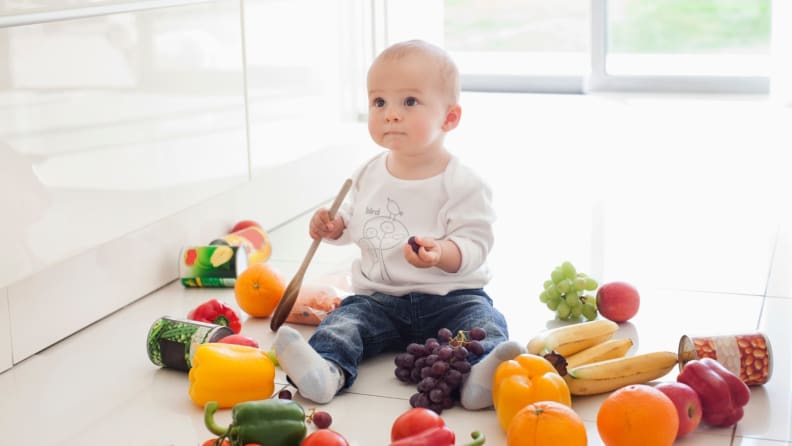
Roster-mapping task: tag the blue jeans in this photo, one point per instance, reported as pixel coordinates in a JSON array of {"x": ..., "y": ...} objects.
[{"x": 364, "y": 326}]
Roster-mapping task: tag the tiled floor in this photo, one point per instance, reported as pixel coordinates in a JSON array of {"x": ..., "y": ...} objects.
[{"x": 688, "y": 200}]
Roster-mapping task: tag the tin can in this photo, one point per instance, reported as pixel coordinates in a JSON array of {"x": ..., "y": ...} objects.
[
  {"x": 748, "y": 356},
  {"x": 215, "y": 266},
  {"x": 172, "y": 341}
]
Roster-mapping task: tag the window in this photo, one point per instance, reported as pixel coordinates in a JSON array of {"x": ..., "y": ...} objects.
[{"x": 577, "y": 45}]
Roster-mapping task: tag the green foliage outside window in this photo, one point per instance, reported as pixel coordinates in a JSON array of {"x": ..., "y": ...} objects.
[
  {"x": 692, "y": 26},
  {"x": 635, "y": 26}
]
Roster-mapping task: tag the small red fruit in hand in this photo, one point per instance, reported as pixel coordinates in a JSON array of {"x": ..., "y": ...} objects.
[
  {"x": 413, "y": 244},
  {"x": 618, "y": 301}
]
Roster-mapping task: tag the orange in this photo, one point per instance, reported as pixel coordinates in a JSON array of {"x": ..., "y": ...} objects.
[
  {"x": 637, "y": 414},
  {"x": 259, "y": 289},
  {"x": 546, "y": 423}
]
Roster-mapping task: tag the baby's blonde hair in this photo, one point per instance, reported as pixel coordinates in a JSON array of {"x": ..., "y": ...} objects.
[{"x": 449, "y": 73}]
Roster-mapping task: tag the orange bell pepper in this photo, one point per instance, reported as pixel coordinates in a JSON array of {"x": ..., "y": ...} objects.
[
  {"x": 524, "y": 380},
  {"x": 230, "y": 374}
]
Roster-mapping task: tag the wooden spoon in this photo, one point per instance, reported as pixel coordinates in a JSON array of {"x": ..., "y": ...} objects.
[{"x": 293, "y": 289}]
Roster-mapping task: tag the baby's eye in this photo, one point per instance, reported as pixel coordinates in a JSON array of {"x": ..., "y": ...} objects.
[
  {"x": 410, "y": 101},
  {"x": 378, "y": 102}
]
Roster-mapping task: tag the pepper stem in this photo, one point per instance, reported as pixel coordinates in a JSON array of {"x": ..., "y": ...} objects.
[
  {"x": 209, "y": 411},
  {"x": 478, "y": 438}
]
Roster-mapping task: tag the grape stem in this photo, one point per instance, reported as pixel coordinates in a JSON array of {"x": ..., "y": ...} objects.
[{"x": 309, "y": 417}]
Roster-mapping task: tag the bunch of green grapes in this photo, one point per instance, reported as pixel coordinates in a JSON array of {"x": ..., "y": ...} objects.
[{"x": 568, "y": 293}]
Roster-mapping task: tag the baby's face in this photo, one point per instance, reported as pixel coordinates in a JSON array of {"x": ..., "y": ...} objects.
[{"x": 408, "y": 102}]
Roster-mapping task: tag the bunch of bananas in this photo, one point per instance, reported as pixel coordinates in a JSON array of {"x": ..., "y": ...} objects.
[{"x": 596, "y": 363}]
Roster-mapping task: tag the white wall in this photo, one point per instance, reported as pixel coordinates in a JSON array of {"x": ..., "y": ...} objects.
[{"x": 129, "y": 131}]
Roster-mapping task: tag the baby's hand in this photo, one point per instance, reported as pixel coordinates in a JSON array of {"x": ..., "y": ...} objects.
[
  {"x": 422, "y": 252},
  {"x": 322, "y": 227}
]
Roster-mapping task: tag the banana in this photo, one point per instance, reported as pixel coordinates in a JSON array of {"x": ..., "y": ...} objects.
[
  {"x": 611, "y": 374},
  {"x": 611, "y": 349},
  {"x": 570, "y": 339}
]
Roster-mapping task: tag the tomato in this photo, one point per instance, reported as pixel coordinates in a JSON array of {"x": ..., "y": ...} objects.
[
  {"x": 325, "y": 437},
  {"x": 414, "y": 421},
  {"x": 240, "y": 340},
  {"x": 245, "y": 224}
]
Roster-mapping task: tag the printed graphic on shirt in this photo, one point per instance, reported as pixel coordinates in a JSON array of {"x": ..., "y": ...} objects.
[{"x": 382, "y": 231}]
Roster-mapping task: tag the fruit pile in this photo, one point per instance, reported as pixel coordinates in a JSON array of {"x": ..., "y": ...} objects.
[
  {"x": 438, "y": 367},
  {"x": 591, "y": 362},
  {"x": 532, "y": 392}
]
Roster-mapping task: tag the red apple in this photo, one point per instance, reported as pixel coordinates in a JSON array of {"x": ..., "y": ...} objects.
[
  {"x": 245, "y": 224},
  {"x": 687, "y": 403},
  {"x": 618, "y": 301}
]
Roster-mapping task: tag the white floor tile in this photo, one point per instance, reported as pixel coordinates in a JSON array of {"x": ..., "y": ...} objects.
[{"x": 769, "y": 412}]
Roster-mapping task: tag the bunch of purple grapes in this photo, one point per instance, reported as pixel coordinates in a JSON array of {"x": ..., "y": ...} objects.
[{"x": 438, "y": 367}]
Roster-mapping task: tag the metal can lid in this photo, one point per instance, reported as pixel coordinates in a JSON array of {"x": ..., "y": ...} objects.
[
  {"x": 686, "y": 351},
  {"x": 241, "y": 257}
]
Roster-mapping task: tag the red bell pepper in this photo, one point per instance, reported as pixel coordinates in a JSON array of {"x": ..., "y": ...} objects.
[
  {"x": 423, "y": 427},
  {"x": 723, "y": 394},
  {"x": 216, "y": 312}
]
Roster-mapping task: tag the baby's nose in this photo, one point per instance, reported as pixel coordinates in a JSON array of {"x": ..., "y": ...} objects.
[{"x": 392, "y": 115}]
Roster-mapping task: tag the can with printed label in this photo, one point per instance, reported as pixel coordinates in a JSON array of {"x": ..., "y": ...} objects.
[
  {"x": 213, "y": 266},
  {"x": 172, "y": 341},
  {"x": 748, "y": 356}
]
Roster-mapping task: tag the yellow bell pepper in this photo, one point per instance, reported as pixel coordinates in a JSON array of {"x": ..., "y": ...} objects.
[
  {"x": 230, "y": 374},
  {"x": 524, "y": 380}
]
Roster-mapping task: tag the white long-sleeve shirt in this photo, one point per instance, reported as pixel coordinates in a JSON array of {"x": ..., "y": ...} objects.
[{"x": 382, "y": 212}]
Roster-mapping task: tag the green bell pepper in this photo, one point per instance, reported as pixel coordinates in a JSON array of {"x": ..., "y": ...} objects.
[{"x": 271, "y": 422}]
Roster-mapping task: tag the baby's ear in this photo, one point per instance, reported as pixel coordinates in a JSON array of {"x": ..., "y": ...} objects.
[{"x": 453, "y": 115}]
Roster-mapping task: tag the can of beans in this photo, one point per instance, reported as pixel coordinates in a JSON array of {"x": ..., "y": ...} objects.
[
  {"x": 215, "y": 266},
  {"x": 172, "y": 341},
  {"x": 748, "y": 356}
]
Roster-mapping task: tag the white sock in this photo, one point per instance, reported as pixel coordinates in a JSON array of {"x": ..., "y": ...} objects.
[
  {"x": 316, "y": 378},
  {"x": 476, "y": 392}
]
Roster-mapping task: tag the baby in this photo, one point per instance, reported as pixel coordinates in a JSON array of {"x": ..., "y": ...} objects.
[{"x": 423, "y": 223}]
